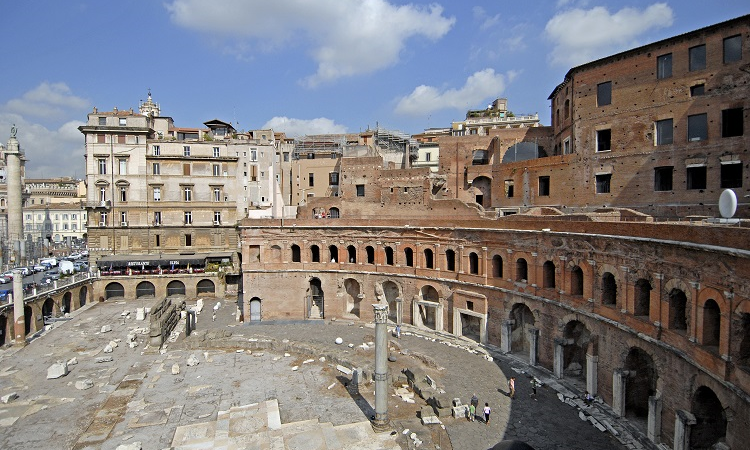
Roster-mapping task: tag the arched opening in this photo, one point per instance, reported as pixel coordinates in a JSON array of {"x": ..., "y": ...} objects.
[
  {"x": 710, "y": 420},
  {"x": 642, "y": 385},
  {"x": 473, "y": 263},
  {"x": 316, "y": 300},
  {"x": 392, "y": 293},
  {"x": 548, "y": 275},
  {"x": 255, "y": 310},
  {"x": 428, "y": 313},
  {"x": 480, "y": 158},
  {"x": 576, "y": 281},
  {"x": 334, "y": 213},
  {"x": 82, "y": 294},
  {"x": 114, "y": 290},
  {"x": 409, "y": 257},
  {"x": 428, "y": 262},
  {"x": 523, "y": 319},
  {"x": 352, "y": 254},
  {"x": 3, "y": 329},
  {"x": 315, "y": 254},
  {"x": 48, "y": 308},
  {"x": 743, "y": 357},
  {"x": 67, "y": 302},
  {"x": 522, "y": 270},
  {"x": 642, "y": 306},
  {"x": 296, "y": 254},
  {"x": 28, "y": 316},
  {"x": 205, "y": 287},
  {"x": 175, "y": 287},
  {"x": 333, "y": 253},
  {"x": 497, "y": 266},
  {"x": 370, "y": 252},
  {"x": 353, "y": 299},
  {"x": 450, "y": 260},
  {"x": 483, "y": 187},
  {"x": 677, "y": 310},
  {"x": 275, "y": 254},
  {"x": 145, "y": 289},
  {"x": 574, "y": 355},
  {"x": 711, "y": 324},
  {"x": 389, "y": 256},
  {"x": 609, "y": 289}
]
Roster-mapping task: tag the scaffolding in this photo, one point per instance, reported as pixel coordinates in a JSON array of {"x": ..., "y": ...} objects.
[
  {"x": 396, "y": 141},
  {"x": 320, "y": 144}
]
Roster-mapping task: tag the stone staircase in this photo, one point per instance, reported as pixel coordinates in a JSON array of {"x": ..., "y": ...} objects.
[{"x": 258, "y": 426}]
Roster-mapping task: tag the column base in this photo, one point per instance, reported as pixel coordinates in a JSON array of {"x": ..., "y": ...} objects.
[{"x": 381, "y": 425}]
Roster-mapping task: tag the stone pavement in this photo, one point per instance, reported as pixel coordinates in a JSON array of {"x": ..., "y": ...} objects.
[{"x": 136, "y": 397}]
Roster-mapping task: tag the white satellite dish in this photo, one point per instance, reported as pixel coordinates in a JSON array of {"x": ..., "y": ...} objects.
[{"x": 727, "y": 203}]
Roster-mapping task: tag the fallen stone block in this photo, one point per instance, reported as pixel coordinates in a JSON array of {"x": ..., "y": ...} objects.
[
  {"x": 457, "y": 402},
  {"x": 7, "y": 398},
  {"x": 106, "y": 328},
  {"x": 192, "y": 361},
  {"x": 113, "y": 344},
  {"x": 73, "y": 361},
  {"x": 175, "y": 369},
  {"x": 426, "y": 411},
  {"x": 103, "y": 359},
  {"x": 431, "y": 421},
  {"x": 460, "y": 412},
  {"x": 344, "y": 370},
  {"x": 57, "y": 370},
  {"x": 610, "y": 428},
  {"x": 441, "y": 401},
  {"x": 561, "y": 397},
  {"x": 82, "y": 385},
  {"x": 132, "y": 446},
  {"x": 140, "y": 314},
  {"x": 582, "y": 416},
  {"x": 430, "y": 381},
  {"x": 107, "y": 348}
]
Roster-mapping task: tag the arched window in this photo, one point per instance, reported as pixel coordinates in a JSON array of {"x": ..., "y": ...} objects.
[
  {"x": 450, "y": 260},
  {"x": 642, "y": 305},
  {"x": 333, "y": 213},
  {"x": 711, "y": 323},
  {"x": 352, "y": 253},
  {"x": 576, "y": 281},
  {"x": 473, "y": 263},
  {"x": 497, "y": 266},
  {"x": 389, "y": 256},
  {"x": 333, "y": 253},
  {"x": 315, "y": 254},
  {"x": 522, "y": 270},
  {"x": 428, "y": 263},
  {"x": 609, "y": 289},
  {"x": 548, "y": 272},
  {"x": 677, "y": 310},
  {"x": 409, "y": 257},
  {"x": 370, "y": 254},
  {"x": 296, "y": 253}
]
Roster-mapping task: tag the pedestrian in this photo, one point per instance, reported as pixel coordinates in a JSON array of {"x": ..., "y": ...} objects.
[
  {"x": 398, "y": 331},
  {"x": 588, "y": 398},
  {"x": 474, "y": 401},
  {"x": 472, "y": 412},
  {"x": 534, "y": 385},
  {"x": 512, "y": 387},
  {"x": 487, "y": 412}
]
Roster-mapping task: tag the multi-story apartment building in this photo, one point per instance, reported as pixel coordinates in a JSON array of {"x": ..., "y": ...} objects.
[
  {"x": 43, "y": 191},
  {"x": 495, "y": 116},
  {"x": 59, "y": 225}
]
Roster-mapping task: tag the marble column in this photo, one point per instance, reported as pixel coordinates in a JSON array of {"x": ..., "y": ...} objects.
[
  {"x": 683, "y": 420},
  {"x": 533, "y": 345},
  {"x": 381, "y": 422},
  {"x": 619, "y": 384},
  {"x": 19, "y": 318},
  {"x": 592, "y": 372},
  {"x": 14, "y": 163},
  {"x": 559, "y": 362},
  {"x": 505, "y": 335},
  {"x": 654, "y": 418}
]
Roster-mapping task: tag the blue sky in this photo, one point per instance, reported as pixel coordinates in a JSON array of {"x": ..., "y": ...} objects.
[{"x": 304, "y": 66}]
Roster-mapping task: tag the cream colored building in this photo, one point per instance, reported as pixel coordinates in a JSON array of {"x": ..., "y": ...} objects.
[{"x": 497, "y": 115}]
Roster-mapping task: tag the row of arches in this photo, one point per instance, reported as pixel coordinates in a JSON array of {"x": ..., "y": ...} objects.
[
  {"x": 148, "y": 289},
  {"x": 46, "y": 308}
]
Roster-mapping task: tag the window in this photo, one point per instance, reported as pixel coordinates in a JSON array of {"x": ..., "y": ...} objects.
[
  {"x": 102, "y": 120},
  {"x": 156, "y": 150},
  {"x": 698, "y": 89},
  {"x": 123, "y": 163},
  {"x": 102, "y": 193},
  {"x": 732, "y": 49},
  {"x": 217, "y": 194},
  {"x": 188, "y": 218},
  {"x": 185, "y": 150},
  {"x": 156, "y": 169},
  {"x": 311, "y": 179},
  {"x": 664, "y": 66},
  {"x": 286, "y": 156},
  {"x": 566, "y": 146},
  {"x": 360, "y": 190},
  {"x": 157, "y": 193},
  {"x": 428, "y": 156},
  {"x": 697, "y": 57},
  {"x": 217, "y": 152},
  {"x": 603, "y": 95},
  {"x": 186, "y": 169},
  {"x": 124, "y": 218},
  {"x": 100, "y": 138},
  {"x": 567, "y": 101},
  {"x": 120, "y": 138},
  {"x": 731, "y": 175},
  {"x": 311, "y": 155},
  {"x": 188, "y": 240},
  {"x": 123, "y": 121},
  {"x": 663, "y": 178},
  {"x": 123, "y": 194},
  {"x": 543, "y": 186},
  {"x": 188, "y": 194},
  {"x": 216, "y": 170},
  {"x": 157, "y": 240},
  {"x": 731, "y": 122},
  {"x": 157, "y": 218},
  {"x": 602, "y": 183},
  {"x": 333, "y": 178},
  {"x": 253, "y": 155},
  {"x": 664, "y": 132},
  {"x": 102, "y": 166},
  {"x": 102, "y": 219},
  {"x": 603, "y": 140},
  {"x": 509, "y": 188},
  {"x": 697, "y": 127},
  {"x": 217, "y": 217},
  {"x": 696, "y": 177},
  {"x": 480, "y": 158}
]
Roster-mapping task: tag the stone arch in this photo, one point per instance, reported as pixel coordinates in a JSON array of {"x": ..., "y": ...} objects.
[
  {"x": 641, "y": 383},
  {"x": 275, "y": 256},
  {"x": 523, "y": 319},
  {"x": 576, "y": 280},
  {"x": 388, "y": 251},
  {"x": 429, "y": 259},
  {"x": 522, "y": 270},
  {"x": 333, "y": 253},
  {"x": 114, "y": 289},
  {"x": 428, "y": 313},
  {"x": 497, "y": 266},
  {"x": 48, "y": 308},
  {"x": 353, "y": 297},
  {"x": 574, "y": 353},
  {"x": 145, "y": 289},
  {"x": 679, "y": 298},
  {"x": 483, "y": 189},
  {"x": 28, "y": 316},
  {"x": 82, "y": 296},
  {"x": 351, "y": 253},
  {"x": 548, "y": 275},
  {"x": 314, "y": 253},
  {"x": 296, "y": 253},
  {"x": 370, "y": 253},
  {"x": 409, "y": 257},
  {"x": 392, "y": 292},
  {"x": 642, "y": 297},
  {"x": 3, "y": 329},
  {"x": 316, "y": 299},
  {"x": 334, "y": 213},
  {"x": 608, "y": 289},
  {"x": 67, "y": 303},
  {"x": 205, "y": 286},
  {"x": 710, "y": 419},
  {"x": 175, "y": 287},
  {"x": 473, "y": 263},
  {"x": 450, "y": 259},
  {"x": 255, "y": 309}
]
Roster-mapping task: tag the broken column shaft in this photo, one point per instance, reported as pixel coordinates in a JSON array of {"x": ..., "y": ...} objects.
[{"x": 381, "y": 422}]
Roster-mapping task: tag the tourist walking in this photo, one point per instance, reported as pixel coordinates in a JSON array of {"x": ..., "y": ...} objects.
[
  {"x": 512, "y": 387},
  {"x": 487, "y": 412},
  {"x": 472, "y": 412},
  {"x": 534, "y": 385}
]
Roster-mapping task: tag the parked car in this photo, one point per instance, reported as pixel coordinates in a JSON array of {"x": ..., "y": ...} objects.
[
  {"x": 75, "y": 256},
  {"x": 24, "y": 270},
  {"x": 40, "y": 268},
  {"x": 54, "y": 274},
  {"x": 8, "y": 274},
  {"x": 4, "y": 280}
]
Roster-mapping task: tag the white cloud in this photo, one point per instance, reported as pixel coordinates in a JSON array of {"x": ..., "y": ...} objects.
[
  {"x": 480, "y": 15},
  {"x": 302, "y": 127},
  {"x": 346, "y": 37},
  {"x": 480, "y": 86},
  {"x": 580, "y": 36},
  {"x": 47, "y": 101}
]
